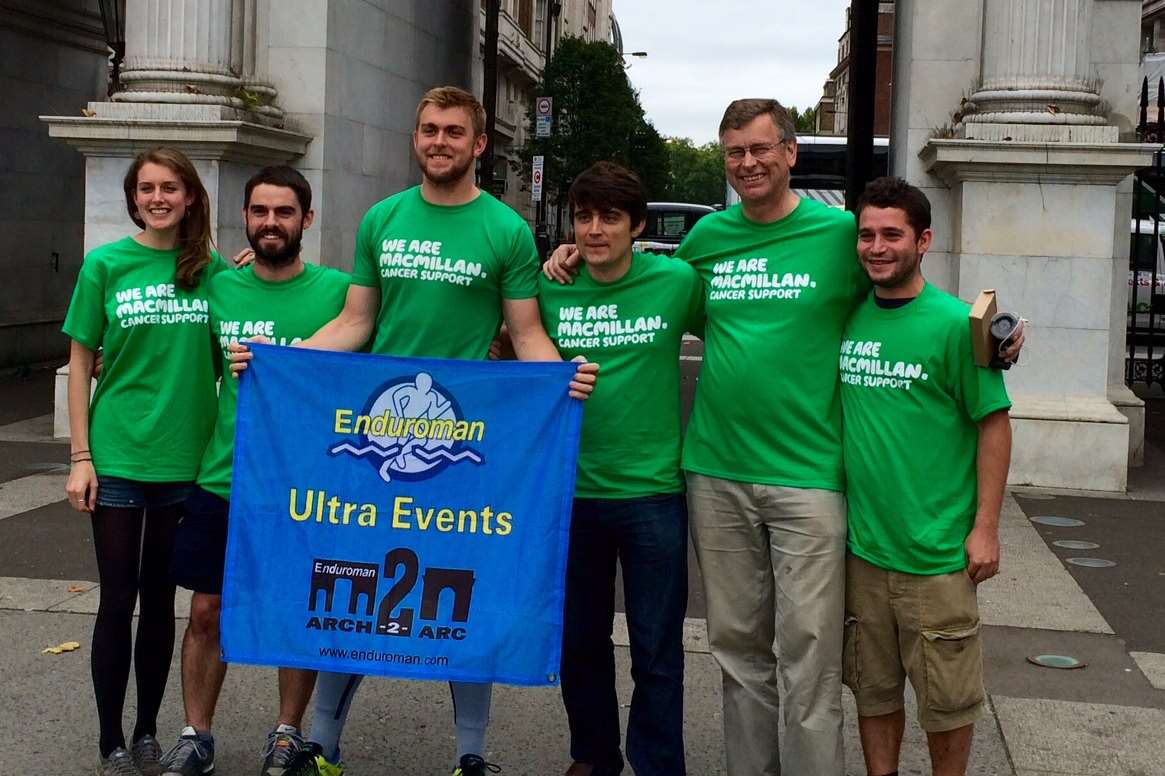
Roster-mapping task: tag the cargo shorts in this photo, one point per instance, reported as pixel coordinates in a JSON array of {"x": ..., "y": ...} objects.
[{"x": 925, "y": 628}]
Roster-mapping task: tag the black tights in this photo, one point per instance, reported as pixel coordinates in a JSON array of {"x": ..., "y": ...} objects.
[{"x": 132, "y": 566}]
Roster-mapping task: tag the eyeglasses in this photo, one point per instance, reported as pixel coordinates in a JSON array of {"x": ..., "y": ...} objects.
[{"x": 758, "y": 151}]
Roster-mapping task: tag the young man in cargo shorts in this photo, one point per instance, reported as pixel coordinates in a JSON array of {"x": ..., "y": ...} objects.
[{"x": 927, "y": 442}]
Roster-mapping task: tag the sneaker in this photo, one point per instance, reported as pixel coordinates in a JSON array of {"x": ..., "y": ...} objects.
[
  {"x": 118, "y": 763},
  {"x": 327, "y": 768},
  {"x": 147, "y": 755},
  {"x": 191, "y": 756},
  {"x": 287, "y": 754},
  {"x": 472, "y": 765}
]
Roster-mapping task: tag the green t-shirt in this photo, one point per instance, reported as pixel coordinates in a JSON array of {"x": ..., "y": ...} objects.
[
  {"x": 912, "y": 396},
  {"x": 633, "y": 327},
  {"x": 442, "y": 272},
  {"x": 153, "y": 408},
  {"x": 778, "y": 295},
  {"x": 244, "y": 305}
]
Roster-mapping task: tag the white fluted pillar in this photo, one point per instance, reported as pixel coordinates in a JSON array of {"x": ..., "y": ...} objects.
[
  {"x": 200, "y": 52},
  {"x": 1036, "y": 82}
]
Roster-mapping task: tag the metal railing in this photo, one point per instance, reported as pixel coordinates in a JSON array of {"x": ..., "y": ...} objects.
[{"x": 1145, "y": 328}]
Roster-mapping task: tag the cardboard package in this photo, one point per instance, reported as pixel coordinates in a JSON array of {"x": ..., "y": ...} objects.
[{"x": 981, "y": 314}]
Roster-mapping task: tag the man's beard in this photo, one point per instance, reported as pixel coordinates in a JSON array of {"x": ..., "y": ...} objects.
[
  {"x": 451, "y": 175},
  {"x": 902, "y": 275},
  {"x": 280, "y": 257}
]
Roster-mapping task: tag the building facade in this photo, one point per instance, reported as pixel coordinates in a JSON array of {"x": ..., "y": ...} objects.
[
  {"x": 329, "y": 86},
  {"x": 833, "y": 107},
  {"x": 526, "y": 30},
  {"x": 54, "y": 61}
]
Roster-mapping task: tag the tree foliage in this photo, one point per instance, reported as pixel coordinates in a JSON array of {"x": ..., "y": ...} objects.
[
  {"x": 805, "y": 121},
  {"x": 597, "y": 116},
  {"x": 697, "y": 172}
]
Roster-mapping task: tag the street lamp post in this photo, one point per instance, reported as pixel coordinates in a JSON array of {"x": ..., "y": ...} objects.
[
  {"x": 863, "y": 81},
  {"x": 489, "y": 97}
]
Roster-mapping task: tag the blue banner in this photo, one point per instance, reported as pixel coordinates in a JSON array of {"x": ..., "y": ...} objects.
[{"x": 400, "y": 516}]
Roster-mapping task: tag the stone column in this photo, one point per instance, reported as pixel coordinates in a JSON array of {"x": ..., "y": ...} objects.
[
  {"x": 1029, "y": 199},
  {"x": 195, "y": 52},
  {"x": 1036, "y": 79}
]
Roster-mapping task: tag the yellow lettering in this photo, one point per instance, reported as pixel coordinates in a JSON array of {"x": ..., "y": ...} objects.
[
  {"x": 348, "y": 510},
  {"x": 486, "y": 514},
  {"x": 295, "y": 514},
  {"x": 424, "y": 517},
  {"x": 445, "y": 520},
  {"x": 477, "y": 429},
  {"x": 401, "y": 508},
  {"x": 461, "y": 516},
  {"x": 367, "y": 516},
  {"x": 504, "y": 526},
  {"x": 342, "y": 418},
  {"x": 362, "y": 423}
]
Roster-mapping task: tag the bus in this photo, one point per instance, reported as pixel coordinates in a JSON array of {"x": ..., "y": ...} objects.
[{"x": 820, "y": 170}]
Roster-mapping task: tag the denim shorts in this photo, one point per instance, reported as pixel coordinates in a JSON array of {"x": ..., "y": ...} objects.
[{"x": 134, "y": 494}]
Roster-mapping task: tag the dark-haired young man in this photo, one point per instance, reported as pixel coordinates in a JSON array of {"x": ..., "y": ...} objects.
[
  {"x": 927, "y": 446},
  {"x": 628, "y": 311},
  {"x": 284, "y": 299}
]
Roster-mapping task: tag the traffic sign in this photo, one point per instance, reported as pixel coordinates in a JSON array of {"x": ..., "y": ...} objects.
[
  {"x": 536, "y": 178},
  {"x": 543, "y": 116}
]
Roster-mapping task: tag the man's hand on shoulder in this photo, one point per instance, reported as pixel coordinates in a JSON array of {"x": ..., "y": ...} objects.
[
  {"x": 243, "y": 258},
  {"x": 562, "y": 265},
  {"x": 982, "y": 548}
]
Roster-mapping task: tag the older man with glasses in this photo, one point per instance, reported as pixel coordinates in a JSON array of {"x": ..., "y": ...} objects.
[{"x": 763, "y": 449}]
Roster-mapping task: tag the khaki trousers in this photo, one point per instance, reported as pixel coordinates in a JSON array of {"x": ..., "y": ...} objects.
[{"x": 773, "y": 562}]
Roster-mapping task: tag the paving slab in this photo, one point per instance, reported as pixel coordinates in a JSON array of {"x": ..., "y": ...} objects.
[
  {"x": 37, "y": 429},
  {"x": 1082, "y": 739},
  {"x": 396, "y": 727},
  {"x": 1032, "y": 589},
  {"x": 1130, "y": 595},
  {"x": 1109, "y": 673},
  {"x": 1152, "y": 665},
  {"x": 28, "y": 493},
  {"x": 39, "y": 594}
]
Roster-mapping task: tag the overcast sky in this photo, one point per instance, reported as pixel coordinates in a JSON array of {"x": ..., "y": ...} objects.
[{"x": 702, "y": 54}]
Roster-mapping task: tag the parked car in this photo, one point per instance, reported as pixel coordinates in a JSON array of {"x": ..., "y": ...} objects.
[{"x": 667, "y": 223}]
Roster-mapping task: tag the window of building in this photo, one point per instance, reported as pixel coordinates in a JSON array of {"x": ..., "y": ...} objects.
[{"x": 526, "y": 17}]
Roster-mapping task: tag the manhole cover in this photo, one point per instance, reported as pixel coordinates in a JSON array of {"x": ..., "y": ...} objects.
[
  {"x": 1056, "y": 661},
  {"x": 1073, "y": 544},
  {"x": 1091, "y": 563},
  {"x": 1057, "y": 521}
]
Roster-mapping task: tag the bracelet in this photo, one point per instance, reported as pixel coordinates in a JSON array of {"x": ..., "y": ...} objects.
[
  {"x": 78, "y": 452},
  {"x": 81, "y": 460}
]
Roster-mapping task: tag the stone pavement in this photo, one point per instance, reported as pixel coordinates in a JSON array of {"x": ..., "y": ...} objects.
[{"x": 1106, "y": 718}]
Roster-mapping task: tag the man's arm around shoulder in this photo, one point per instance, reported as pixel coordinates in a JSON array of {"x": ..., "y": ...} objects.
[{"x": 353, "y": 326}]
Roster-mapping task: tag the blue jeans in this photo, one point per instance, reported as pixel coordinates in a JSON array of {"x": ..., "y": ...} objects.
[{"x": 648, "y": 536}]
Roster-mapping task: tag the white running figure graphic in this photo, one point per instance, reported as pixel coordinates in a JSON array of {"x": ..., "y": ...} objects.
[{"x": 418, "y": 400}]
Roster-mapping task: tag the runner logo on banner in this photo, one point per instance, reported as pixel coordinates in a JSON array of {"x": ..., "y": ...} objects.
[{"x": 398, "y": 516}]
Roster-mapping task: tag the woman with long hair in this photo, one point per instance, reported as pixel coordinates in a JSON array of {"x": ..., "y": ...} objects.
[{"x": 137, "y": 443}]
